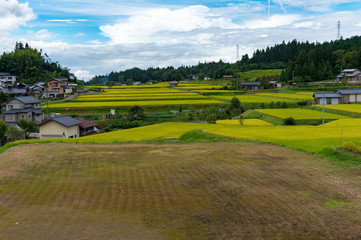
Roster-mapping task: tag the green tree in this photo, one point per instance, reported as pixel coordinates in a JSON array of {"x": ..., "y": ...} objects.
[
  {"x": 3, "y": 129},
  {"x": 345, "y": 80},
  {"x": 289, "y": 121},
  {"x": 14, "y": 134},
  {"x": 235, "y": 103},
  {"x": 212, "y": 118},
  {"x": 136, "y": 113},
  {"x": 28, "y": 127}
]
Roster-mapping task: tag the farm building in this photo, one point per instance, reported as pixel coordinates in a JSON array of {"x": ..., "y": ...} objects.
[
  {"x": 251, "y": 86},
  {"x": 59, "y": 127},
  {"x": 87, "y": 128},
  {"x": 172, "y": 84},
  {"x": 354, "y": 75},
  {"x": 341, "y": 96}
]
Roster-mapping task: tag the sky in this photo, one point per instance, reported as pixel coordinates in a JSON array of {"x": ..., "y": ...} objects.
[{"x": 96, "y": 37}]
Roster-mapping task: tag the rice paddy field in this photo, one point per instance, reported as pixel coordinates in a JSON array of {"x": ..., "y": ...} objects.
[
  {"x": 250, "y": 98},
  {"x": 303, "y": 96},
  {"x": 222, "y": 190},
  {"x": 299, "y": 114},
  {"x": 246, "y": 122},
  {"x": 353, "y": 108}
]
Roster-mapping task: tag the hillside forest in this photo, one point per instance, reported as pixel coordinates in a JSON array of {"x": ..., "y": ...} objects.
[{"x": 301, "y": 61}]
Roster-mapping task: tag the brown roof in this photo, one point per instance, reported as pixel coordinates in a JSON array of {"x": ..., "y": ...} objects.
[{"x": 84, "y": 123}]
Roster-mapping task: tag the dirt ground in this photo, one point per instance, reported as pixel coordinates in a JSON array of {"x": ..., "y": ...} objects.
[{"x": 175, "y": 191}]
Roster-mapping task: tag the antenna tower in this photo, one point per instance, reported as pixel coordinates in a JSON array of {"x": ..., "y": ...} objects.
[
  {"x": 237, "y": 56},
  {"x": 338, "y": 30}
]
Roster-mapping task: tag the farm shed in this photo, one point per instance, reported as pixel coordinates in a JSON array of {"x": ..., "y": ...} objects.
[
  {"x": 87, "y": 128},
  {"x": 251, "y": 86},
  {"x": 329, "y": 98},
  {"x": 59, "y": 127},
  {"x": 350, "y": 95}
]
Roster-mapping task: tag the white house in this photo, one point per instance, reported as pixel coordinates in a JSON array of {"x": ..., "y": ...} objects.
[
  {"x": 59, "y": 127},
  {"x": 7, "y": 79}
]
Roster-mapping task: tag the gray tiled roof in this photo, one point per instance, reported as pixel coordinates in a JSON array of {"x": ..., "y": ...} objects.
[
  {"x": 28, "y": 99},
  {"x": 14, "y": 90},
  {"x": 64, "y": 120},
  {"x": 251, "y": 83},
  {"x": 327, "y": 95},
  {"x": 22, "y": 110},
  {"x": 5, "y": 74},
  {"x": 38, "y": 110},
  {"x": 349, "y": 70},
  {"x": 349, "y": 91}
]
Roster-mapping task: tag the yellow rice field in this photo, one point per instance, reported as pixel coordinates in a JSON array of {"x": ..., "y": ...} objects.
[
  {"x": 132, "y": 103},
  {"x": 304, "y": 96},
  {"x": 246, "y": 122},
  {"x": 354, "y": 108},
  {"x": 248, "y": 98},
  {"x": 299, "y": 114}
]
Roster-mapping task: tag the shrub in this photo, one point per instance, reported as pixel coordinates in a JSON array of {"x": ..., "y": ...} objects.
[
  {"x": 212, "y": 118},
  {"x": 289, "y": 121}
]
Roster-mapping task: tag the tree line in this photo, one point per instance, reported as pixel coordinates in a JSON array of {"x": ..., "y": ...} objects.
[
  {"x": 29, "y": 65},
  {"x": 301, "y": 61}
]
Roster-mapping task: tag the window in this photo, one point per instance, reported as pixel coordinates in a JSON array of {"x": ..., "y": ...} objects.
[{"x": 10, "y": 107}]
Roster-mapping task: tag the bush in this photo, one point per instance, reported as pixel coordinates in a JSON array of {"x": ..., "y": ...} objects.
[
  {"x": 124, "y": 125},
  {"x": 212, "y": 118},
  {"x": 289, "y": 121}
]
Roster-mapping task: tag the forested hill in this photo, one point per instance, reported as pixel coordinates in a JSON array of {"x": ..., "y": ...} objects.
[
  {"x": 302, "y": 61},
  {"x": 29, "y": 65}
]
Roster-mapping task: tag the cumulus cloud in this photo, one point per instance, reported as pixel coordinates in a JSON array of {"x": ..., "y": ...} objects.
[
  {"x": 273, "y": 21},
  {"x": 151, "y": 25},
  {"x": 316, "y": 6},
  {"x": 14, "y": 14},
  {"x": 42, "y": 34}
]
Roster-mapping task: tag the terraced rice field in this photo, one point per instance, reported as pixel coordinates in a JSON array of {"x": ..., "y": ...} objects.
[
  {"x": 253, "y": 98},
  {"x": 299, "y": 114},
  {"x": 175, "y": 191},
  {"x": 132, "y": 103},
  {"x": 354, "y": 108},
  {"x": 246, "y": 122},
  {"x": 304, "y": 96}
]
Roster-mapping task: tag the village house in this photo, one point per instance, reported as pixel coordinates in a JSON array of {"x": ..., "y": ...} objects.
[
  {"x": 354, "y": 75},
  {"x": 87, "y": 128},
  {"x": 24, "y": 107},
  {"x": 55, "y": 87},
  {"x": 59, "y": 127},
  {"x": 250, "y": 86},
  {"x": 227, "y": 77},
  {"x": 7, "y": 79},
  {"x": 341, "y": 96}
]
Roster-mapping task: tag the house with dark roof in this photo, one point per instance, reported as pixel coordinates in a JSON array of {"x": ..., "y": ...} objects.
[
  {"x": 340, "y": 96},
  {"x": 354, "y": 75},
  {"x": 55, "y": 87},
  {"x": 87, "y": 128},
  {"x": 249, "y": 86},
  {"x": 59, "y": 127},
  {"x": 7, "y": 79},
  {"x": 24, "y": 107}
]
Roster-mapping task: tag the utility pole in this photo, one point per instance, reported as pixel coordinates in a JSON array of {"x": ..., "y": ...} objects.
[{"x": 323, "y": 107}]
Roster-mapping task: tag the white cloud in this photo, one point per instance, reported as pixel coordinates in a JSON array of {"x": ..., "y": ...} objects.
[
  {"x": 83, "y": 74},
  {"x": 315, "y": 6},
  {"x": 14, "y": 14},
  {"x": 78, "y": 35},
  {"x": 273, "y": 21},
  {"x": 151, "y": 25},
  {"x": 42, "y": 35}
]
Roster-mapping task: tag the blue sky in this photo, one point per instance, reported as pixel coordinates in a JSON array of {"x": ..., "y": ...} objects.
[{"x": 97, "y": 37}]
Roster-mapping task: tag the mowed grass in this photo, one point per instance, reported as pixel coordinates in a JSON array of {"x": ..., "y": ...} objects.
[
  {"x": 299, "y": 114},
  {"x": 175, "y": 191},
  {"x": 354, "y": 108},
  {"x": 248, "y": 98}
]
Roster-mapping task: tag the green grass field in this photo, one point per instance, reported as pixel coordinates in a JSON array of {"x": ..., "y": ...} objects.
[{"x": 299, "y": 114}]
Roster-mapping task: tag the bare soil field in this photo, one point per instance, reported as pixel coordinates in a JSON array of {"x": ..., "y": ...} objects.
[{"x": 175, "y": 191}]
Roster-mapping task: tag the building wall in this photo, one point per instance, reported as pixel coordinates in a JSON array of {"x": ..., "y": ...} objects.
[
  {"x": 53, "y": 129},
  {"x": 14, "y": 104}
]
